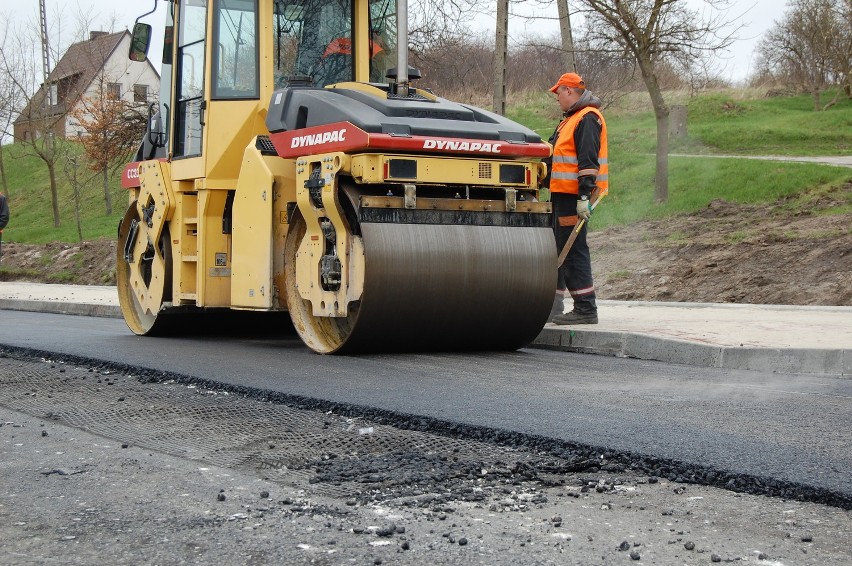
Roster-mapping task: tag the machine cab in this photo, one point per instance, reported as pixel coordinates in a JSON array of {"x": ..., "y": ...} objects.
[{"x": 222, "y": 59}]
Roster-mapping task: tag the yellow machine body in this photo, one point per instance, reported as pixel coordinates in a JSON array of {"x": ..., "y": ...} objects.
[{"x": 372, "y": 238}]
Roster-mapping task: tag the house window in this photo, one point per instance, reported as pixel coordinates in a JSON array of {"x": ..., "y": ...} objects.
[
  {"x": 140, "y": 93},
  {"x": 52, "y": 97},
  {"x": 114, "y": 90}
]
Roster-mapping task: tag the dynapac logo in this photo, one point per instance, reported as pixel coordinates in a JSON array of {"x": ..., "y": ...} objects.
[
  {"x": 319, "y": 139},
  {"x": 454, "y": 145}
]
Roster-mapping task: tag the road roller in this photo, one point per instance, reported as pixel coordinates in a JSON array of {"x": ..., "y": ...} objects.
[{"x": 294, "y": 163}]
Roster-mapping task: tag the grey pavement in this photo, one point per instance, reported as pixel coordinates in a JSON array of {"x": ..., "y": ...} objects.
[
  {"x": 836, "y": 160},
  {"x": 777, "y": 338}
]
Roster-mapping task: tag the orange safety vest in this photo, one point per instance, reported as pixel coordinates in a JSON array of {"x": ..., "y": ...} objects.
[
  {"x": 343, "y": 46},
  {"x": 565, "y": 169}
]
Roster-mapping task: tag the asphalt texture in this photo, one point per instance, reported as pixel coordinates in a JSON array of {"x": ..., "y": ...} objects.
[
  {"x": 788, "y": 430},
  {"x": 97, "y": 465},
  {"x": 243, "y": 447}
]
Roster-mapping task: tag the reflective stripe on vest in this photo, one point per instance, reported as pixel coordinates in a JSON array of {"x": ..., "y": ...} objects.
[{"x": 565, "y": 170}]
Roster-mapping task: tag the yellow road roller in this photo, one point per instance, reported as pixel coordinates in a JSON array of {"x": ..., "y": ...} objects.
[{"x": 291, "y": 164}]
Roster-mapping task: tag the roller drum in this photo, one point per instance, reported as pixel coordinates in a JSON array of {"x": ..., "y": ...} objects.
[{"x": 452, "y": 287}]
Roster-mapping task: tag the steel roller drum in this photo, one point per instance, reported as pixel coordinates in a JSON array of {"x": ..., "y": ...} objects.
[{"x": 452, "y": 287}]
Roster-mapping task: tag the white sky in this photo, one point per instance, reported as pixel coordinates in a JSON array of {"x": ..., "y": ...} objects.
[
  {"x": 736, "y": 64},
  {"x": 756, "y": 17}
]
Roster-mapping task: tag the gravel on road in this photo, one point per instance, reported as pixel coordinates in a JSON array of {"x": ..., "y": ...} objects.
[{"x": 97, "y": 464}]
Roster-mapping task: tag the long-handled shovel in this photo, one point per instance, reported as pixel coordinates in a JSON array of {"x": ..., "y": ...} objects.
[{"x": 574, "y": 233}]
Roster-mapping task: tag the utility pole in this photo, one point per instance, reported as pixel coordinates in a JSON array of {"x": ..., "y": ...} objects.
[
  {"x": 45, "y": 51},
  {"x": 567, "y": 38},
  {"x": 500, "y": 56},
  {"x": 45, "y": 67},
  {"x": 48, "y": 155}
]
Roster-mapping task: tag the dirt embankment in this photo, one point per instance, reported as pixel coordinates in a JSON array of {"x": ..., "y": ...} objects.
[
  {"x": 732, "y": 253},
  {"x": 726, "y": 253}
]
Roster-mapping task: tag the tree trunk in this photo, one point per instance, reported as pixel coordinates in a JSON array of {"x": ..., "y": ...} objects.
[
  {"x": 816, "y": 100},
  {"x": 833, "y": 101},
  {"x": 77, "y": 215},
  {"x": 661, "y": 180},
  {"x": 661, "y": 111},
  {"x": 567, "y": 36},
  {"x": 107, "y": 195},
  {"x": 54, "y": 193},
  {"x": 3, "y": 174},
  {"x": 500, "y": 54}
]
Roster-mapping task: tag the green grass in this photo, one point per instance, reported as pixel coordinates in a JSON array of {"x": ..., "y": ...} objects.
[
  {"x": 677, "y": 237},
  {"x": 31, "y": 213},
  {"x": 722, "y": 123},
  {"x": 694, "y": 182},
  {"x": 737, "y": 236},
  {"x": 618, "y": 274},
  {"x": 781, "y": 126},
  {"x": 719, "y": 123}
]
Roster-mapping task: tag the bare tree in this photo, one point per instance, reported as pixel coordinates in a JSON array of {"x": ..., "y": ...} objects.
[
  {"x": 19, "y": 62},
  {"x": 113, "y": 127},
  {"x": 10, "y": 101},
  {"x": 30, "y": 97},
  {"x": 567, "y": 35},
  {"x": 437, "y": 22},
  {"x": 653, "y": 32},
  {"x": 501, "y": 48},
  {"x": 843, "y": 55},
  {"x": 71, "y": 166},
  {"x": 812, "y": 47}
]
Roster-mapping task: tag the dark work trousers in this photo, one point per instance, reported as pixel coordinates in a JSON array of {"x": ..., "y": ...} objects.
[{"x": 575, "y": 274}]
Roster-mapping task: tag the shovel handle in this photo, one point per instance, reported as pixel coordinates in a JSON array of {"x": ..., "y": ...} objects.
[{"x": 574, "y": 233}]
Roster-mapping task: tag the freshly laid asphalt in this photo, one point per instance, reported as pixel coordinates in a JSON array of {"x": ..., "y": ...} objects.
[{"x": 776, "y": 338}]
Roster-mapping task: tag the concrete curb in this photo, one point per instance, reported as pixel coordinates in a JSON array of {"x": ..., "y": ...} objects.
[
  {"x": 585, "y": 340},
  {"x": 645, "y": 347},
  {"x": 53, "y": 307}
]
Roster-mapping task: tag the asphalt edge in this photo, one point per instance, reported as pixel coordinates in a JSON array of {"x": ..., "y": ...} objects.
[
  {"x": 670, "y": 350},
  {"x": 54, "y": 307},
  {"x": 599, "y": 342}
]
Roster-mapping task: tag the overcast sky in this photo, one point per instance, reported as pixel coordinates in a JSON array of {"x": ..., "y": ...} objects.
[{"x": 759, "y": 16}]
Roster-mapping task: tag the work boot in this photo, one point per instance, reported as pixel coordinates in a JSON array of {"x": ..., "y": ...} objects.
[
  {"x": 575, "y": 317},
  {"x": 558, "y": 306}
]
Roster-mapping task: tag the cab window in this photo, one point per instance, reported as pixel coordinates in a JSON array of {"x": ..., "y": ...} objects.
[
  {"x": 190, "y": 77},
  {"x": 235, "y": 70},
  {"x": 382, "y": 38},
  {"x": 313, "y": 38}
]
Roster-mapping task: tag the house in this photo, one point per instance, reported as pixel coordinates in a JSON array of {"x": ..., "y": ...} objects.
[{"x": 87, "y": 67}]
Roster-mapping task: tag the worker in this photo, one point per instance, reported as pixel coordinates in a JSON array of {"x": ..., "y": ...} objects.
[
  {"x": 578, "y": 174},
  {"x": 4, "y": 212},
  {"x": 380, "y": 58},
  {"x": 4, "y": 218},
  {"x": 336, "y": 61},
  {"x": 335, "y": 65}
]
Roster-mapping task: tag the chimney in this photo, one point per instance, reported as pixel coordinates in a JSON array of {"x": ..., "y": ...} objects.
[{"x": 93, "y": 35}]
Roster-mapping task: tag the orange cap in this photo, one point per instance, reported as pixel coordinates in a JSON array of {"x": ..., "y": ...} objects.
[
  {"x": 572, "y": 80},
  {"x": 338, "y": 46}
]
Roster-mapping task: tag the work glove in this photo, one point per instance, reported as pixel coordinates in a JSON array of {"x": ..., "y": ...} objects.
[
  {"x": 584, "y": 208},
  {"x": 586, "y": 184}
]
